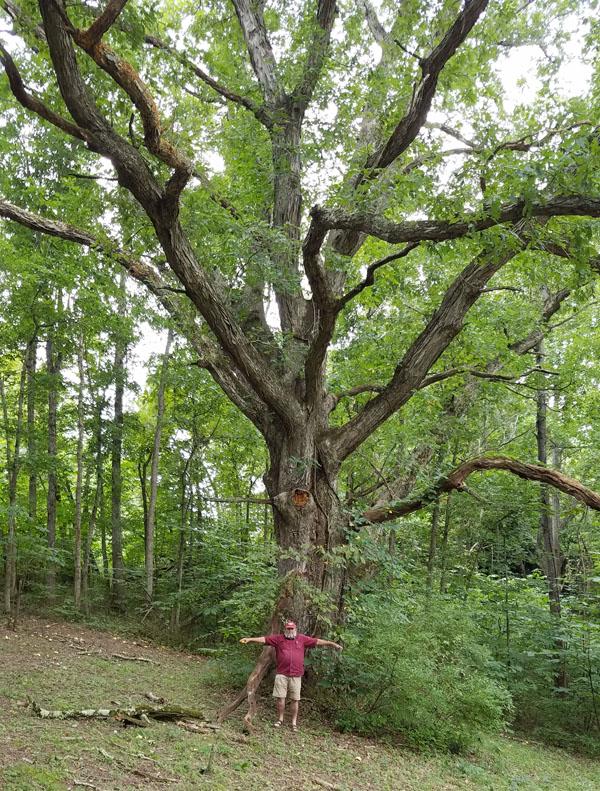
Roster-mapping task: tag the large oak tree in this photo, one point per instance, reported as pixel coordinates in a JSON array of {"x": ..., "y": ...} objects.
[{"x": 277, "y": 157}]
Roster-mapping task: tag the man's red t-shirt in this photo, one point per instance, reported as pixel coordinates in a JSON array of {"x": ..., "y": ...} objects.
[{"x": 290, "y": 653}]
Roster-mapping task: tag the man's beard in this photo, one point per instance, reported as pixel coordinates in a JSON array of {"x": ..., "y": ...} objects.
[{"x": 290, "y": 636}]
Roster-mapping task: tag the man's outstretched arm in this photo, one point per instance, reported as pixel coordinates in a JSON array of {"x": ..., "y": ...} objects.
[
  {"x": 329, "y": 643},
  {"x": 245, "y": 640}
]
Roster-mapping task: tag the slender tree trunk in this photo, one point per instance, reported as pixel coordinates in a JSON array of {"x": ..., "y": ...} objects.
[
  {"x": 79, "y": 482},
  {"x": 31, "y": 435},
  {"x": 186, "y": 525},
  {"x": 103, "y": 547},
  {"x": 12, "y": 469},
  {"x": 549, "y": 532},
  {"x": 142, "y": 468},
  {"x": 185, "y": 509},
  {"x": 53, "y": 366},
  {"x": 444, "y": 546},
  {"x": 160, "y": 409},
  {"x": 118, "y": 567},
  {"x": 95, "y": 507},
  {"x": 435, "y": 520}
]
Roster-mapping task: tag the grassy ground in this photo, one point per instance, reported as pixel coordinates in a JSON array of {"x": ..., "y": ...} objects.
[{"x": 60, "y": 665}]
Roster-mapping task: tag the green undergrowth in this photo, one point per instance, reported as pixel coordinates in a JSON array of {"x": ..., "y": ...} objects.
[{"x": 40, "y": 662}]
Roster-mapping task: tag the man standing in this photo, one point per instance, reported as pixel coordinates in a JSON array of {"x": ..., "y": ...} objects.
[{"x": 289, "y": 651}]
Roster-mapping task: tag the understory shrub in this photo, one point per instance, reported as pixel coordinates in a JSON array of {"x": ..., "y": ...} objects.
[{"x": 416, "y": 668}]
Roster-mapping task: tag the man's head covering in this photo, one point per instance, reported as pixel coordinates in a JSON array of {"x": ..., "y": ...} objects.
[{"x": 290, "y": 625}]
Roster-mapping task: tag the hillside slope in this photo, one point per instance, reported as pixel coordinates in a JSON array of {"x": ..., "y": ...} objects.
[{"x": 65, "y": 665}]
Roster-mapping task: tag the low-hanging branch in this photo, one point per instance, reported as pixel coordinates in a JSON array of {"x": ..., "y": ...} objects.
[{"x": 456, "y": 481}]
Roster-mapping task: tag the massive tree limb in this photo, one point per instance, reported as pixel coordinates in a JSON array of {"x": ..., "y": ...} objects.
[
  {"x": 212, "y": 358},
  {"x": 456, "y": 481},
  {"x": 259, "y": 49},
  {"x": 441, "y": 230},
  {"x": 424, "y": 90},
  {"x": 444, "y": 325},
  {"x": 157, "y": 202}
]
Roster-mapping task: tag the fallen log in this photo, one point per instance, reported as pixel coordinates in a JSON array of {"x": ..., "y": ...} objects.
[
  {"x": 134, "y": 715},
  {"x": 127, "y": 658}
]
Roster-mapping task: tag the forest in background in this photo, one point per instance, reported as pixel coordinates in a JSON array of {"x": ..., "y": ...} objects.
[{"x": 464, "y": 604}]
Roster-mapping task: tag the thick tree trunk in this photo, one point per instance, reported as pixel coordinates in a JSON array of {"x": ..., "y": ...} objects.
[
  {"x": 308, "y": 524},
  {"x": 118, "y": 567},
  {"x": 160, "y": 409}
]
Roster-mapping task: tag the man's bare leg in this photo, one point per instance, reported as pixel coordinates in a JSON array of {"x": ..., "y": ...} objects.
[
  {"x": 280, "y": 708},
  {"x": 294, "y": 711}
]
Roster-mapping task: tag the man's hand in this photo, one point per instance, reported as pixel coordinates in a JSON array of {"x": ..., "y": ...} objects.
[
  {"x": 244, "y": 640},
  {"x": 337, "y": 646}
]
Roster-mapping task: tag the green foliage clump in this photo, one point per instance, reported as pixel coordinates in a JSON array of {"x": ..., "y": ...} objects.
[{"x": 417, "y": 668}]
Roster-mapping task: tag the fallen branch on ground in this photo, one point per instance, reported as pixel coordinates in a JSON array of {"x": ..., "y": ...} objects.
[
  {"x": 133, "y": 715},
  {"x": 134, "y": 658}
]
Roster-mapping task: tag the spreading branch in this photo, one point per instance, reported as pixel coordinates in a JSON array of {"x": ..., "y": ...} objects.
[
  {"x": 424, "y": 89},
  {"x": 369, "y": 278},
  {"x": 441, "y": 230},
  {"x": 490, "y": 375},
  {"x": 444, "y": 325},
  {"x": 31, "y": 102},
  {"x": 236, "y": 388},
  {"x": 103, "y": 22},
  {"x": 456, "y": 481},
  {"x": 259, "y": 111}
]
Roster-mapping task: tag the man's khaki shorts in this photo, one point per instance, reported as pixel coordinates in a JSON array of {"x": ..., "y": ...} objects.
[{"x": 287, "y": 686}]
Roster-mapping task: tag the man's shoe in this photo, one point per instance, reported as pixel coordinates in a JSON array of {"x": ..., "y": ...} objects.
[{"x": 278, "y": 724}]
